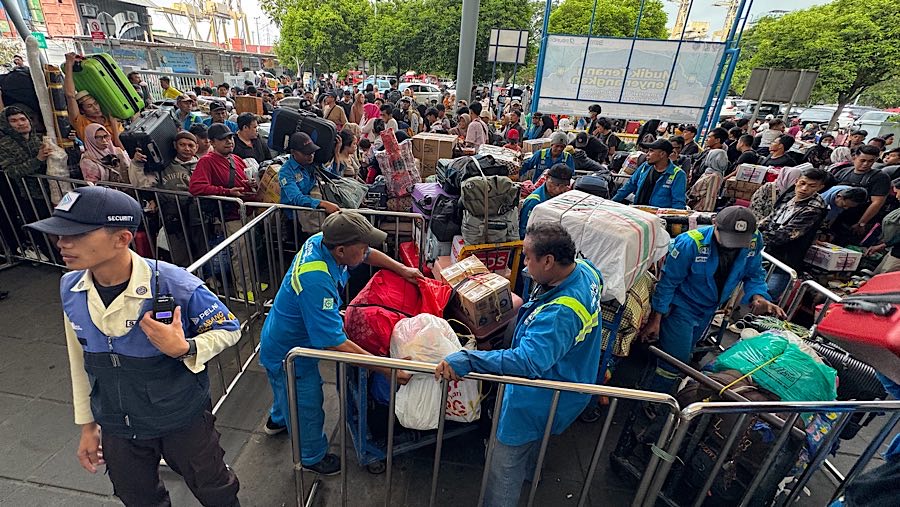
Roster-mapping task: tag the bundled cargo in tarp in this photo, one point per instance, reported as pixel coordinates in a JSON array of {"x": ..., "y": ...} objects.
[
  {"x": 623, "y": 242},
  {"x": 384, "y": 301}
]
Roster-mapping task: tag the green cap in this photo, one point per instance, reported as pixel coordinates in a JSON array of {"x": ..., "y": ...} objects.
[{"x": 347, "y": 227}]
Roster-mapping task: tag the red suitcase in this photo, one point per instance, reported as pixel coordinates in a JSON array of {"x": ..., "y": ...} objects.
[{"x": 845, "y": 323}]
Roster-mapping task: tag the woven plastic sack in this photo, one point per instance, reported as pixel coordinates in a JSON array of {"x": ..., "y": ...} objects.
[
  {"x": 431, "y": 339},
  {"x": 398, "y": 167},
  {"x": 781, "y": 367}
]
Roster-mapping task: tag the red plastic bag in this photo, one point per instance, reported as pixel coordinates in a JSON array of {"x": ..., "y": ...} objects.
[{"x": 387, "y": 298}]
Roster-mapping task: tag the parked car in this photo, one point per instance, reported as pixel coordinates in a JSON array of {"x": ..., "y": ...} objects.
[
  {"x": 729, "y": 109},
  {"x": 764, "y": 110},
  {"x": 822, "y": 115},
  {"x": 424, "y": 93},
  {"x": 877, "y": 124},
  {"x": 381, "y": 84}
]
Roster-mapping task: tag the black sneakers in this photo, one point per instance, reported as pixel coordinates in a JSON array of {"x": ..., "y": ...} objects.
[
  {"x": 272, "y": 428},
  {"x": 329, "y": 465}
]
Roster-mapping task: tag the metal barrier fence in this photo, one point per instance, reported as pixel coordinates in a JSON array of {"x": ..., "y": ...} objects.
[
  {"x": 775, "y": 264},
  {"x": 343, "y": 359},
  {"x": 181, "y": 82},
  {"x": 786, "y": 428},
  {"x": 805, "y": 287}
]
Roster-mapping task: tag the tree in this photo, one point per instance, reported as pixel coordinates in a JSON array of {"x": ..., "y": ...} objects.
[
  {"x": 885, "y": 95},
  {"x": 854, "y": 45},
  {"x": 614, "y": 18},
  {"x": 505, "y": 14}
]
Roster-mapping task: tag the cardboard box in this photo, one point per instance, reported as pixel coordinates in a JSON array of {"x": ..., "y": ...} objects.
[
  {"x": 456, "y": 247},
  {"x": 429, "y": 147},
  {"x": 740, "y": 189},
  {"x": 269, "y": 187},
  {"x": 832, "y": 257},
  {"x": 459, "y": 271},
  {"x": 440, "y": 264},
  {"x": 752, "y": 173},
  {"x": 248, "y": 104},
  {"x": 533, "y": 145},
  {"x": 484, "y": 299}
]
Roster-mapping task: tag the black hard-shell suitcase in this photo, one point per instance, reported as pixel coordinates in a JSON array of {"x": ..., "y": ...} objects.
[
  {"x": 287, "y": 121},
  {"x": 594, "y": 185},
  {"x": 154, "y": 133}
]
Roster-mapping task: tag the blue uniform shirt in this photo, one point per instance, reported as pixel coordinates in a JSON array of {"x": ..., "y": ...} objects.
[
  {"x": 305, "y": 312},
  {"x": 669, "y": 192},
  {"x": 558, "y": 337},
  {"x": 228, "y": 123},
  {"x": 190, "y": 119},
  {"x": 533, "y": 199},
  {"x": 297, "y": 182},
  {"x": 544, "y": 160},
  {"x": 688, "y": 274}
]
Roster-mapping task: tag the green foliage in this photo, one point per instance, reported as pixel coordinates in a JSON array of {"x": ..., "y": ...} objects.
[
  {"x": 854, "y": 45},
  {"x": 614, "y": 18},
  {"x": 327, "y": 32},
  {"x": 885, "y": 95}
]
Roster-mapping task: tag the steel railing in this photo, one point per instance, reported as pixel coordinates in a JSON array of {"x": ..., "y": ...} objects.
[
  {"x": 775, "y": 264},
  {"x": 343, "y": 359},
  {"x": 805, "y": 287}
]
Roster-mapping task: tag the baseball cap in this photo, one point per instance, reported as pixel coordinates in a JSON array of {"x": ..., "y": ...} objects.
[
  {"x": 219, "y": 131},
  {"x": 659, "y": 144},
  {"x": 581, "y": 140},
  {"x": 87, "y": 209},
  {"x": 345, "y": 227},
  {"x": 216, "y": 106},
  {"x": 736, "y": 226},
  {"x": 560, "y": 173},
  {"x": 182, "y": 98},
  {"x": 559, "y": 138},
  {"x": 301, "y": 142}
]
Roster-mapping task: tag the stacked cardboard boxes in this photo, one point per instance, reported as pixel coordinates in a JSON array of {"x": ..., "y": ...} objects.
[{"x": 429, "y": 147}]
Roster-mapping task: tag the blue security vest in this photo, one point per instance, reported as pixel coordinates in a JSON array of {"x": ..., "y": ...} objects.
[
  {"x": 137, "y": 391},
  {"x": 528, "y": 204}
]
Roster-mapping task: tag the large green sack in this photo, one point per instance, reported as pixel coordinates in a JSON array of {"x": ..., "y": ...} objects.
[{"x": 793, "y": 375}]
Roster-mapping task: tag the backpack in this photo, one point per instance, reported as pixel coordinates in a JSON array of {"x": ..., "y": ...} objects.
[
  {"x": 460, "y": 169},
  {"x": 594, "y": 184},
  {"x": 377, "y": 195},
  {"x": 446, "y": 218},
  {"x": 490, "y": 210}
]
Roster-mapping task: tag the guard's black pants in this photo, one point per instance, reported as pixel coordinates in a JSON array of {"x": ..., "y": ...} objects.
[{"x": 192, "y": 452}]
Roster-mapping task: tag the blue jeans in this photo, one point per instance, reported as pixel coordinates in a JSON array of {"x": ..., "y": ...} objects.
[
  {"x": 510, "y": 466},
  {"x": 777, "y": 283},
  {"x": 313, "y": 442},
  {"x": 679, "y": 332}
]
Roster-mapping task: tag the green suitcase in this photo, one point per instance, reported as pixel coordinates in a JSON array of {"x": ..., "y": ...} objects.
[{"x": 100, "y": 75}]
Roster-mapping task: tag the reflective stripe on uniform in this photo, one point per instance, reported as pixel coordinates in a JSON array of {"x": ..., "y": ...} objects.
[
  {"x": 588, "y": 320},
  {"x": 697, "y": 236},
  {"x": 533, "y": 197},
  {"x": 299, "y": 268}
]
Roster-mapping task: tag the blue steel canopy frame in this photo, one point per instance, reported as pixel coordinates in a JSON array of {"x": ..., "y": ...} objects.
[{"x": 720, "y": 85}]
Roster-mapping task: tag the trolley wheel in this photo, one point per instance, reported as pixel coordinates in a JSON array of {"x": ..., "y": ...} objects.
[{"x": 376, "y": 468}]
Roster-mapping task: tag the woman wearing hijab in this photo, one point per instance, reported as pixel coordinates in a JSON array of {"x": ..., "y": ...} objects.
[
  {"x": 841, "y": 157},
  {"x": 704, "y": 193},
  {"x": 820, "y": 154},
  {"x": 763, "y": 201},
  {"x": 548, "y": 127},
  {"x": 101, "y": 160},
  {"x": 371, "y": 113},
  {"x": 357, "y": 110},
  {"x": 462, "y": 125}
]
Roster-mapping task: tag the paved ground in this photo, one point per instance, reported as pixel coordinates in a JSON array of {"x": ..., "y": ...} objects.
[{"x": 38, "y": 439}]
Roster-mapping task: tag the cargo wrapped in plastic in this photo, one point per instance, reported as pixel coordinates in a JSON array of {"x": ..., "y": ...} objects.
[
  {"x": 621, "y": 241},
  {"x": 431, "y": 339},
  {"x": 398, "y": 166},
  {"x": 779, "y": 365}
]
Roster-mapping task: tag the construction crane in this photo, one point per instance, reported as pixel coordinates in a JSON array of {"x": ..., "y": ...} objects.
[
  {"x": 218, "y": 14},
  {"x": 732, "y": 6},
  {"x": 682, "y": 17}
]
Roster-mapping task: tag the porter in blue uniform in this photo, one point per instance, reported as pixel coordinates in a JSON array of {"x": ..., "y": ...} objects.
[
  {"x": 558, "y": 179},
  {"x": 306, "y": 314},
  {"x": 557, "y": 337},
  {"x": 701, "y": 271}
]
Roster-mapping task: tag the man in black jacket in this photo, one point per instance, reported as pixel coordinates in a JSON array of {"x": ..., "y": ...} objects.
[
  {"x": 791, "y": 228},
  {"x": 248, "y": 144},
  {"x": 593, "y": 147}
]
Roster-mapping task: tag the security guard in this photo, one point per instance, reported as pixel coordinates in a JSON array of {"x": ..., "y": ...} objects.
[
  {"x": 702, "y": 270},
  {"x": 548, "y": 157},
  {"x": 557, "y": 337},
  {"x": 557, "y": 182},
  {"x": 139, "y": 386},
  {"x": 305, "y": 314},
  {"x": 658, "y": 181}
]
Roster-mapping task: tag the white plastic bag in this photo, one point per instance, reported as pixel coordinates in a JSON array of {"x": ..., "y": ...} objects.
[{"x": 429, "y": 338}]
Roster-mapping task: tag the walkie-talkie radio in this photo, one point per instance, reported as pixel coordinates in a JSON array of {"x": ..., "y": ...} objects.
[{"x": 163, "y": 304}]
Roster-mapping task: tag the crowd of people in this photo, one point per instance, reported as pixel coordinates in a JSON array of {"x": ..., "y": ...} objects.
[{"x": 842, "y": 193}]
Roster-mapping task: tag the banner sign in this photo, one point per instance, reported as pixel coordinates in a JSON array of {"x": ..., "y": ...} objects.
[
  {"x": 181, "y": 62},
  {"x": 138, "y": 58},
  {"x": 630, "y": 78}
]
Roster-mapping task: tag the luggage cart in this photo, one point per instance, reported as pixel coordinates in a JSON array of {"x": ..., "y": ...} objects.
[
  {"x": 698, "y": 452},
  {"x": 372, "y": 451}
]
